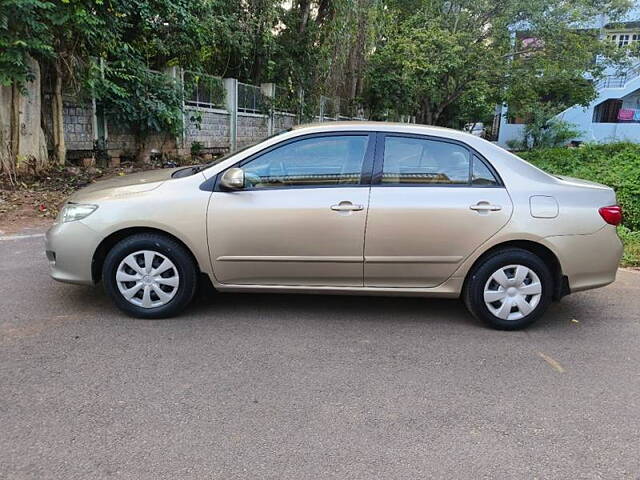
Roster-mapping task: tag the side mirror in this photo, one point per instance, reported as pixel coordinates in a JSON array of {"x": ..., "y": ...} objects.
[{"x": 233, "y": 179}]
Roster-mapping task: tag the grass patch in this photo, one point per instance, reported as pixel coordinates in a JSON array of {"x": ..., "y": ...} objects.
[{"x": 631, "y": 240}]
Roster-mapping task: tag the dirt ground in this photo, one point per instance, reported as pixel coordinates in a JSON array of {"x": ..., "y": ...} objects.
[{"x": 33, "y": 201}]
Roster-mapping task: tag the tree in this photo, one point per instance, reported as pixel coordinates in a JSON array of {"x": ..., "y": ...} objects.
[
  {"x": 19, "y": 41},
  {"x": 438, "y": 59},
  {"x": 78, "y": 30}
]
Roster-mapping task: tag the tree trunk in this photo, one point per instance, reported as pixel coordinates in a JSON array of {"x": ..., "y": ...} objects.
[
  {"x": 142, "y": 148},
  {"x": 305, "y": 10},
  {"x": 59, "y": 147},
  {"x": 15, "y": 126},
  {"x": 7, "y": 157}
]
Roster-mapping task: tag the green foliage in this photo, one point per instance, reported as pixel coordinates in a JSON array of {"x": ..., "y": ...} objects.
[
  {"x": 616, "y": 165},
  {"x": 631, "y": 241},
  {"x": 22, "y": 33},
  {"x": 449, "y": 61},
  {"x": 427, "y": 66},
  {"x": 445, "y": 62},
  {"x": 144, "y": 101},
  {"x": 543, "y": 133},
  {"x": 196, "y": 148}
]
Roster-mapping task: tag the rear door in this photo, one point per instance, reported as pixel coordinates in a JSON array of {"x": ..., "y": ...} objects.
[
  {"x": 432, "y": 203},
  {"x": 300, "y": 219}
]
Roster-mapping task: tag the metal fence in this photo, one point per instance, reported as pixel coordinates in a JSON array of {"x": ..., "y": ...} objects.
[
  {"x": 620, "y": 80},
  {"x": 250, "y": 99},
  {"x": 329, "y": 109},
  {"x": 286, "y": 100},
  {"x": 203, "y": 90}
]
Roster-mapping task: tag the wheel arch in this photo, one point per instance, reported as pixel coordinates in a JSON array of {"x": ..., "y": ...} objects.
[
  {"x": 560, "y": 281},
  {"x": 103, "y": 248}
]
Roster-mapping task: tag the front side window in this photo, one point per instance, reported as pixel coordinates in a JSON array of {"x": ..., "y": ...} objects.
[
  {"x": 316, "y": 161},
  {"x": 422, "y": 161}
]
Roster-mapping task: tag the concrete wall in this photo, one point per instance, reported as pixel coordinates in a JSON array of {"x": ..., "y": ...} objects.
[{"x": 252, "y": 127}]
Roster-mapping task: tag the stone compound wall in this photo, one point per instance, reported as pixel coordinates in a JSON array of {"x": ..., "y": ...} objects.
[
  {"x": 78, "y": 128},
  {"x": 283, "y": 121},
  {"x": 119, "y": 140},
  {"x": 209, "y": 127},
  {"x": 252, "y": 128},
  {"x": 211, "y": 131},
  {"x": 122, "y": 143}
]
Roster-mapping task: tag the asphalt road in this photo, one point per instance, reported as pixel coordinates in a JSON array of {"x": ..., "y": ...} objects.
[{"x": 294, "y": 387}]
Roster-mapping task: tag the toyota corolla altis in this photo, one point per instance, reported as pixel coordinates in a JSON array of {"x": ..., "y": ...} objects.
[{"x": 345, "y": 208}]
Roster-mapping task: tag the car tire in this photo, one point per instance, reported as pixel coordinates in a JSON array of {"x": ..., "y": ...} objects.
[
  {"x": 509, "y": 289},
  {"x": 150, "y": 275}
]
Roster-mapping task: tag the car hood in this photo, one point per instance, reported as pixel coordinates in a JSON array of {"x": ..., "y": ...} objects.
[{"x": 127, "y": 184}]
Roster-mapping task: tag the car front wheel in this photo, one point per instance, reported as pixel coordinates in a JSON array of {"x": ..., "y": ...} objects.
[
  {"x": 149, "y": 276},
  {"x": 509, "y": 289}
]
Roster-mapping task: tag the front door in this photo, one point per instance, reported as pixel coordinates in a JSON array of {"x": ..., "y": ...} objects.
[
  {"x": 433, "y": 202},
  {"x": 300, "y": 219}
]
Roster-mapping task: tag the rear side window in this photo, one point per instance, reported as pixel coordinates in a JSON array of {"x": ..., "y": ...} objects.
[
  {"x": 481, "y": 174},
  {"x": 331, "y": 160},
  {"x": 423, "y": 161}
]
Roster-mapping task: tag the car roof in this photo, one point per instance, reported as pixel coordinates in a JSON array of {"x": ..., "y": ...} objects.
[
  {"x": 410, "y": 128},
  {"x": 370, "y": 125}
]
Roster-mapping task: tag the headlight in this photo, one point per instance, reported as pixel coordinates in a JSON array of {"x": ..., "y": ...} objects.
[{"x": 75, "y": 211}]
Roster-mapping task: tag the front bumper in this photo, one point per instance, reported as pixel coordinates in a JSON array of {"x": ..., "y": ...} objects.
[
  {"x": 589, "y": 261},
  {"x": 70, "y": 247}
]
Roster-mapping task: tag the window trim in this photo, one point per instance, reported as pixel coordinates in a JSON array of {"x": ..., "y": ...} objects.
[
  {"x": 379, "y": 161},
  {"x": 365, "y": 173}
]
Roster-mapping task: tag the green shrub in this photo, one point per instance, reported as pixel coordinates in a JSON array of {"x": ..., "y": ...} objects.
[
  {"x": 542, "y": 133},
  {"x": 616, "y": 165},
  {"x": 631, "y": 240}
]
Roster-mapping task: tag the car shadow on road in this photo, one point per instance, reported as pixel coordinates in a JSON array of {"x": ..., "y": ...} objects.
[
  {"x": 210, "y": 305},
  {"x": 387, "y": 309}
]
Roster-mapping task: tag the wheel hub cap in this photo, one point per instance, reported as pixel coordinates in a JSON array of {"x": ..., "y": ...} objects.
[
  {"x": 512, "y": 292},
  {"x": 147, "y": 279}
]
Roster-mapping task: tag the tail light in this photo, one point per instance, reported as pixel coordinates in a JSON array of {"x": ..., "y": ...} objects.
[{"x": 612, "y": 215}]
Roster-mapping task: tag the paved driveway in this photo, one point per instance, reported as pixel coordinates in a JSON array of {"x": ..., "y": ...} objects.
[{"x": 292, "y": 387}]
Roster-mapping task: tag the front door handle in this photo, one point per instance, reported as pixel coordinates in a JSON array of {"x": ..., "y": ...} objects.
[
  {"x": 485, "y": 207},
  {"x": 345, "y": 206}
]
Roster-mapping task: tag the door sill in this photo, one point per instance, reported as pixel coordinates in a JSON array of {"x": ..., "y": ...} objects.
[{"x": 451, "y": 288}]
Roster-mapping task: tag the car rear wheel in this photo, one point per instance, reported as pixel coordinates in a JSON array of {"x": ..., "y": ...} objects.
[
  {"x": 149, "y": 276},
  {"x": 509, "y": 289}
]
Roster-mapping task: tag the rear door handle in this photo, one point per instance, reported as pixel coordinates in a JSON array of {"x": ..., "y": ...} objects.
[
  {"x": 485, "y": 207},
  {"x": 346, "y": 206}
]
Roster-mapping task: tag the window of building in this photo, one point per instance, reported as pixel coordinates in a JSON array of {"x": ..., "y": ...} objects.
[
  {"x": 607, "y": 111},
  {"x": 623, "y": 39}
]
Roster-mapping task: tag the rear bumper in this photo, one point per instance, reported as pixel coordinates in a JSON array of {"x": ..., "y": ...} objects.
[
  {"x": 69, "y": 248},
  {"x": 589, "y": 261}
]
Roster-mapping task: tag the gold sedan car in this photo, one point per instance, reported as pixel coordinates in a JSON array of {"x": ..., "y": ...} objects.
[{"x": 345, "y": 208}]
